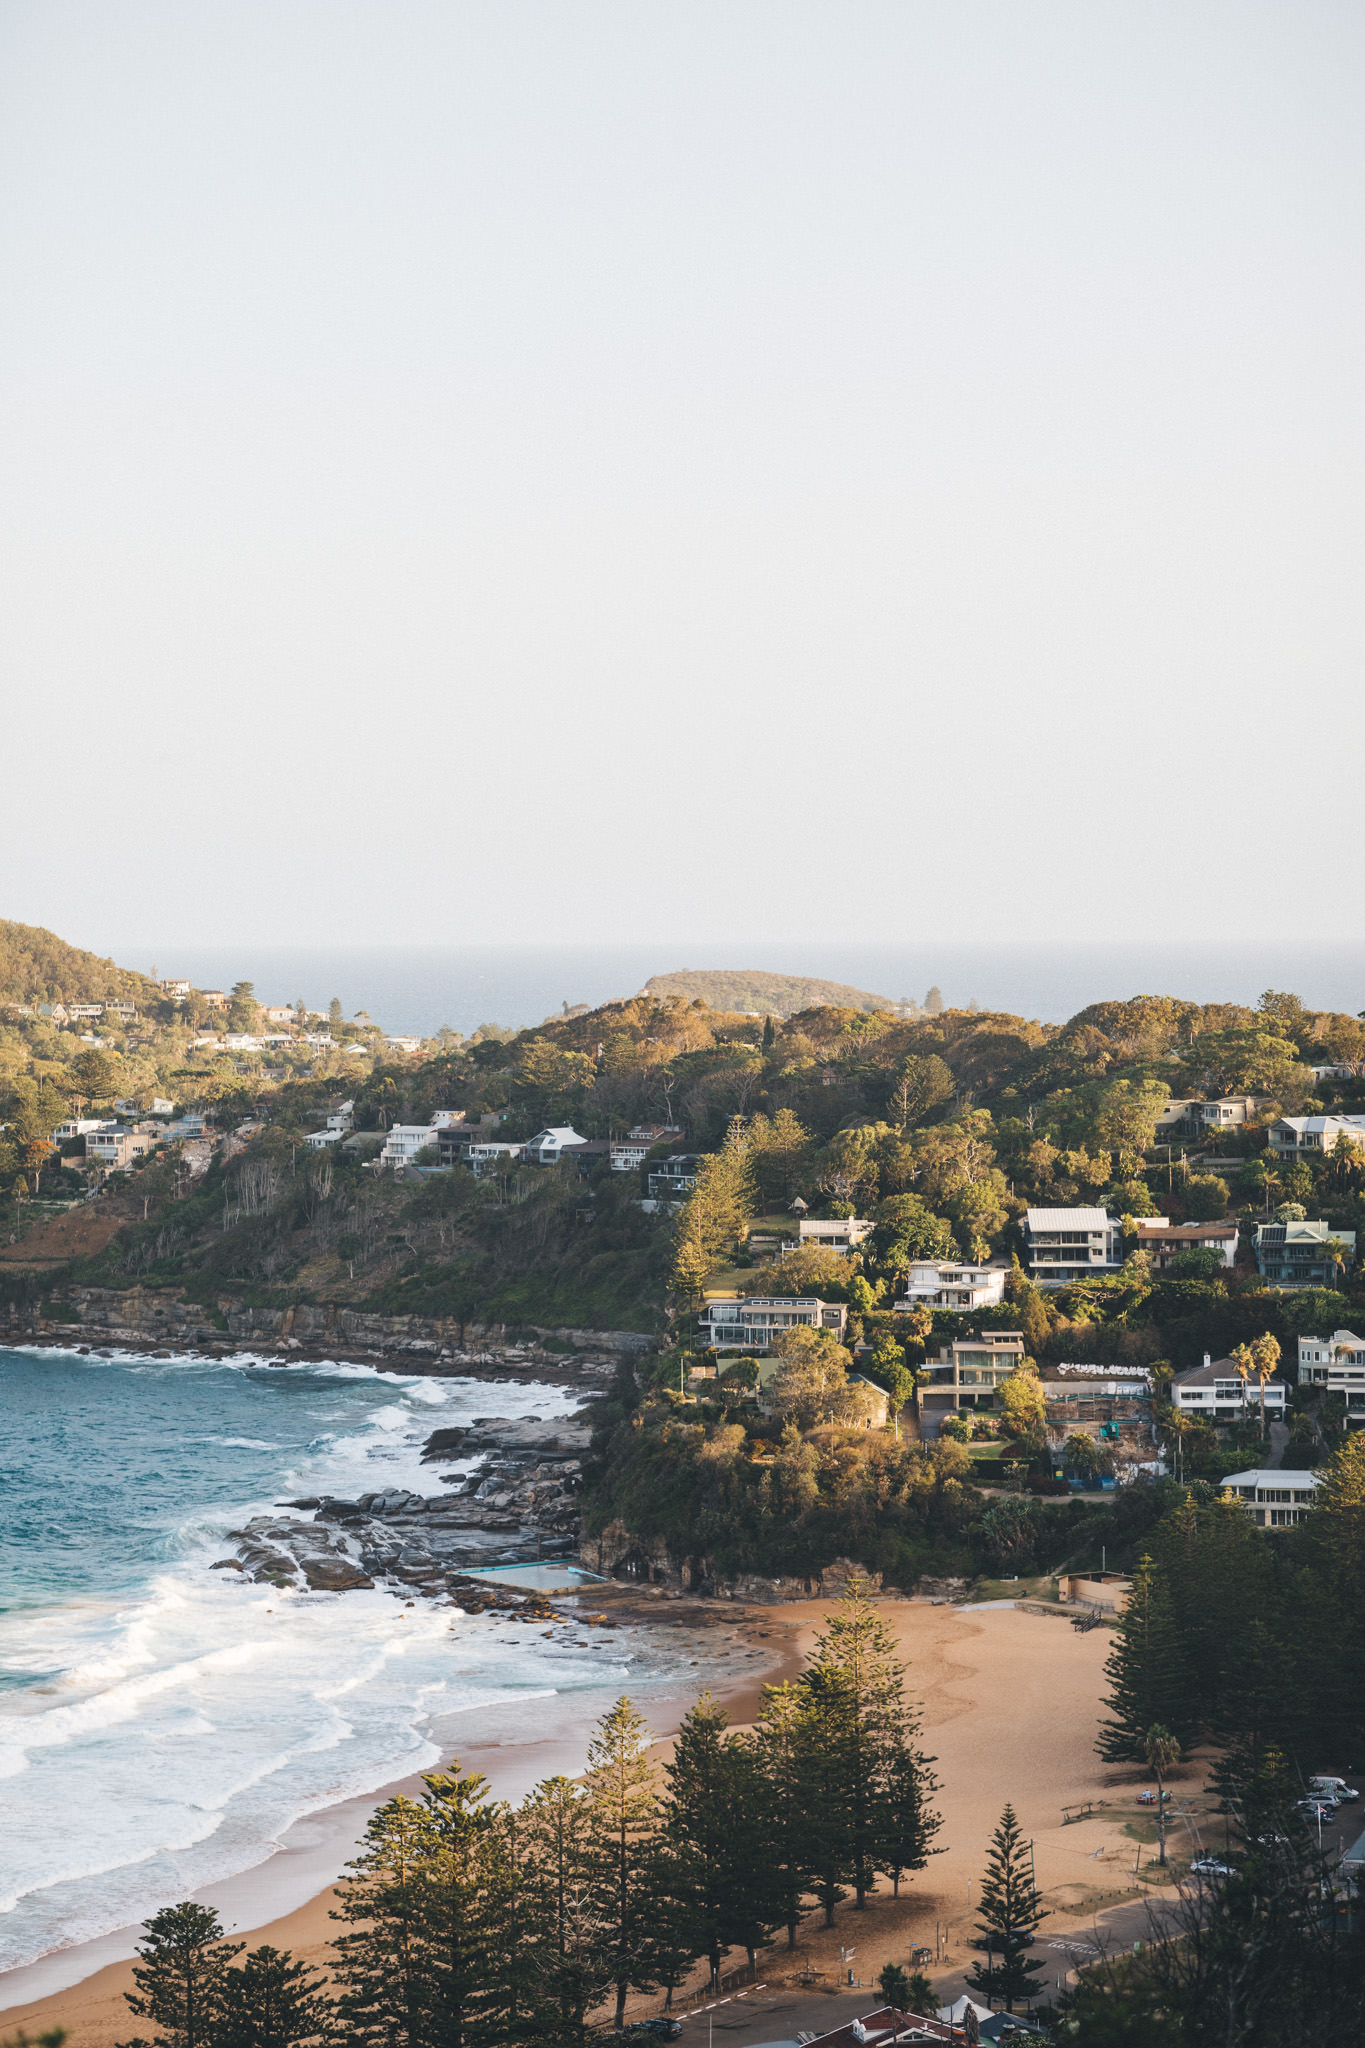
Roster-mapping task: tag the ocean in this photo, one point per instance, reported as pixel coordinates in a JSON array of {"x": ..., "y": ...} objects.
[
  {"x": 163, "y": 1725},
  {"x": 419, "y": 990}
]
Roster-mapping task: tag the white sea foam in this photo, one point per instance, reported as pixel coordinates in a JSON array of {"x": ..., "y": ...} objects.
[{"x": 189, "y": 1719}]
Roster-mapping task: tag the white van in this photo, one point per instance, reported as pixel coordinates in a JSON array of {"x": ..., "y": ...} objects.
[{"x": 1335, "y": 1789}]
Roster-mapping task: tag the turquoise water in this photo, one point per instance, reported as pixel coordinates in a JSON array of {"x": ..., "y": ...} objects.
[{"x": 161, "y": 1723}]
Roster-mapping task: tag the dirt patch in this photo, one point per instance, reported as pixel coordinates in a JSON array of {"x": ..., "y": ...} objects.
[{"x": 79, "y": 1234}]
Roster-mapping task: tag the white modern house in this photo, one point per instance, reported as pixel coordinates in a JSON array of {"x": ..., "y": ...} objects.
[
  {"x": 1216, "y": 1391},
  {"x": 841, "y": 1234},
  {"x": 318, "y": 1141},
  {"x": 750, "y": 1322},
  {"x": 1164, "y": 1241},
  {"x": 404, "y": 1142},
  {"x": 548, "y": 1147},
  {"x": 949, "y": 1284},
  {"x": 1071, "y": 1244},
  {"x": 1308, "y": 1137},
  {"x": 1337, "y": 1364},
  {"x": 1274, "y": 1499}
]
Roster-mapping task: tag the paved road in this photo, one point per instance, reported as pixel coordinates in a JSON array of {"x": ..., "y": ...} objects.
[{"x": 745, "y": 2018}]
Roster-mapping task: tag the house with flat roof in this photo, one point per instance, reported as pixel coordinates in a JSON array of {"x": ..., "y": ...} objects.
[
  {"x": 1274, "y": 1499},
  {"x": 404, "y": 1142},
  {"x": 671, "y": 1179},
  {"x": 1337, "y": 1365},
  {"x": 1216, "y": 1391},
  {"x": 479, "y": 1154},
  {"x": 967, "y": 1374},
  {"x": 840, "y": 1234},
  {"x": 1071, "y": 1244},
  {"x": 951, "y": 1284},
  {"x": 1293, "y": 1254},
  {"x": 117, "y": 1148},
  {"x": 751, "y": 1322},
  {"x": 1164, "y": 1242}
]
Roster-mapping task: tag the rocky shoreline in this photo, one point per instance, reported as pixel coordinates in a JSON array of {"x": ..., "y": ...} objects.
[
  {"x": 513, "y": 1502},
  {"x": 159, "y": 1321}
]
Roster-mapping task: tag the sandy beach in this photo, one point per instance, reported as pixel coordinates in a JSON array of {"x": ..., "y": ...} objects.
[
  {"x": 287, "y": 1900},
  {"x": 1010, "y": 1706}
]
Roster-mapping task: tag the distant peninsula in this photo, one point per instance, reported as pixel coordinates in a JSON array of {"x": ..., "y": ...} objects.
[{"x": 777, "y": 995}]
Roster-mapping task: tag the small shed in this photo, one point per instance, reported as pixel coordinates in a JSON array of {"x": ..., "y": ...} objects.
[{"x": 1097, "y": 1589}]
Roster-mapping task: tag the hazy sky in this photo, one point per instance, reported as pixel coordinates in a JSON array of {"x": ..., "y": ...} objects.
[{"x": 629, "y": 471}]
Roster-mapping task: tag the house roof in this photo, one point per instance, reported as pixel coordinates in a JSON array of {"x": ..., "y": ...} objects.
[
  {"x": 1321, "y": 1123},
  {"x": 555, "y": 1134},
  {"x": 1193, "y": 1233},
  {"x": 1267, "y": 1475},
  {"x": 1301, "y": 1233},
  {"x": 880, "y": 2028},
  {"x": 1216, "y": 1369},
  {"x": 1068, "y": 1219}
]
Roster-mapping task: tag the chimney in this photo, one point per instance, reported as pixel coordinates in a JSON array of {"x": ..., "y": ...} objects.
[{"x": 1208, "y": 1358}]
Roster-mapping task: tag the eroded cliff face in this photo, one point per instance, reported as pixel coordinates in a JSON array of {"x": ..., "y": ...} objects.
[
  {"x": 157, "y": 1318},
  {"x": 620, "y": 1554}
]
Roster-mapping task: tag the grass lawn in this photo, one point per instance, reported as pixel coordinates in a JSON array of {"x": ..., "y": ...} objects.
[{"x": 1037, "y": 1587}]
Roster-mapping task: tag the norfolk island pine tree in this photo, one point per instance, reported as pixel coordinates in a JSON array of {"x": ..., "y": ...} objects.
[{"x": 1009, "y": 1911}]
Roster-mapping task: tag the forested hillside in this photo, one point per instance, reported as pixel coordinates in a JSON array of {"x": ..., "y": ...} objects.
[
  {"x": 750, "y": 989},
  {"x": 38, "y": 967}
]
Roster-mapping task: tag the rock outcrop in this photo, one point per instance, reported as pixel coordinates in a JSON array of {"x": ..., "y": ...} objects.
[
  {"x": 620, "y": 1554},
  {"x": 515, "y": 1500}
]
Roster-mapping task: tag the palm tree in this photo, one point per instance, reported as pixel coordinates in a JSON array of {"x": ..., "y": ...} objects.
[
  {"x": 1163, "y": 1753},
  {"x": 1269, "y": 1179},
  {"x": 1246, "y": 1366},
  {"x": 1265, "y": 1356},
  {"x": 1336, "y": 1253}
]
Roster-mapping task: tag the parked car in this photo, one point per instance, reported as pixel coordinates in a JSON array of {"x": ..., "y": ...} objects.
[
  {"x": 660, "y": 2028},
  {"x": 1209, "y": 1866},
  {"x": 1332, "y": 1788},
  {"x": 1315, "y": 1810}
]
